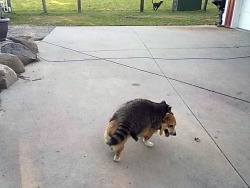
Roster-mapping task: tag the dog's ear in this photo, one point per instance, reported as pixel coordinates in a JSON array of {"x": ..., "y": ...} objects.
[
  {"x": 168, "y": 108},
  {"x": 163, "y": 102},
  {"x": 168, "y": 115}
]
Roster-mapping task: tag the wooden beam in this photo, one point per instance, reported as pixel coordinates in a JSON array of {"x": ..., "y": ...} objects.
[
  {"x": 142, "y": 6},
  {"x": 44, "y": 6},
  {"x": 8, "y": 3},
  {"x": 205, "y": 5},
  {"x": 174, "y": 5},
  {"x": 79, "y": 5}
]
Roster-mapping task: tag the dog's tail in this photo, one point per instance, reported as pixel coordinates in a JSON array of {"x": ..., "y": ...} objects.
[{"x": 120, "y": 134}]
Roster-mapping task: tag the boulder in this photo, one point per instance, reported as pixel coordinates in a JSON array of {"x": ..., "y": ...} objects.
[
  {"x": 7, "y": 77},
  {"x": 12, "y": 61},
  {"x": 26, "y": 42},
  {"x": 21, "y": 51}
]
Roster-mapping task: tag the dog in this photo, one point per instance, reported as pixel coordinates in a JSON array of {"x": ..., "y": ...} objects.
[
  {"x": 156, "y": 5},
  {"x": 138, "y": 118}
]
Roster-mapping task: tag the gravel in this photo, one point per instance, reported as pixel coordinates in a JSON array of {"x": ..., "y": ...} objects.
[{"x": 34, "y": 32}]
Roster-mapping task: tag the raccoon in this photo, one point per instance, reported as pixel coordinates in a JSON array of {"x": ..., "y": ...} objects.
[{"x": 135, "y": 116}]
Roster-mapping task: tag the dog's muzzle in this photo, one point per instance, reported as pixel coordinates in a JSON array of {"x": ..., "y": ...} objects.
[{"x": 167, "y": 133}]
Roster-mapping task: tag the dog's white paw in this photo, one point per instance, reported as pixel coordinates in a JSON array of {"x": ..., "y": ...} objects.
[
  {"x": 117, "y": 159},
  {"x": 147, "y": 142}
]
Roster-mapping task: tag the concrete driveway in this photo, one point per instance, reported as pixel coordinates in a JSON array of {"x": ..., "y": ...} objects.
[{"x": 52, "y": 123}]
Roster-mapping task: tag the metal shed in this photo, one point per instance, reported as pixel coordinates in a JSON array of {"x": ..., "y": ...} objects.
[{"x": 237, "y": 14}]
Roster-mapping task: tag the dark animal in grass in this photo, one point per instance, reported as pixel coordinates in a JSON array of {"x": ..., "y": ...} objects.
[{"x": 156, "y": 5}]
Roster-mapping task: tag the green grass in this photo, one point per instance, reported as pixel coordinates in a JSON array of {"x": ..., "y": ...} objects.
[{"x": 105, "y": 12}]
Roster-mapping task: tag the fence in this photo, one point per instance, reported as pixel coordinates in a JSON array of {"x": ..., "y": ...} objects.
[
  {"x": 6, "y": 5},
  {"x": 80, "y": 5}
]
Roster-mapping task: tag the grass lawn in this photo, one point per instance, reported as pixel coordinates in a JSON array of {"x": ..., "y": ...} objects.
[{"x": 106, "y": 12}]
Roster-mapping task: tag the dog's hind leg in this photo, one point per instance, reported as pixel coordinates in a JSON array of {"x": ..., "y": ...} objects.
[{"x": 118, "y": 149}]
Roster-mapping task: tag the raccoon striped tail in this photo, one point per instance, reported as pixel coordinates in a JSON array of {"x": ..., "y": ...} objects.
[{"x": 120, "y": 134}]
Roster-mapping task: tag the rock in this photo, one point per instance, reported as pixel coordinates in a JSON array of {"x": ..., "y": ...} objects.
[
  {"x": 12, "y": 61},
  {"x": 7, "y": 77},
  {"x": 21, "y": 51},
  {"x": 26, "y": 42}
]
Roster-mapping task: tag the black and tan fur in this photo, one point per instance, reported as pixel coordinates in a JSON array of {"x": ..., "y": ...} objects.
[{"x": 138, "y": 118}]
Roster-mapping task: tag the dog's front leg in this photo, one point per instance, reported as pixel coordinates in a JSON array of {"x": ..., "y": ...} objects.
[
  {"x": 146, "y": 136},
  {"x": 147, "y": 142}
]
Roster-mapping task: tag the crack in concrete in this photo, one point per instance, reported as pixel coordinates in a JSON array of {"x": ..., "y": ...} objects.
[{"x": 193, "y": 113}]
